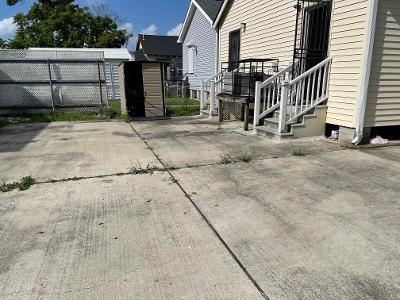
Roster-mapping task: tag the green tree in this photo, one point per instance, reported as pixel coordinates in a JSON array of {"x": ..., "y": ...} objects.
[
  {"x": 62, "y": 23},
  {"x": 3, "y": 44}
]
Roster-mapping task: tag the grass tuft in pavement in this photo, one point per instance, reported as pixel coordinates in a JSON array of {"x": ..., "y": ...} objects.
[
  {"x": 298, "y": 152},
  {"x": 237, "y": 155},
  {"x": 24, "y": 184}
]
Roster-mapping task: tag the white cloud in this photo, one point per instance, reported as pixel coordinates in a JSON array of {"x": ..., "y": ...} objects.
[
  {"x": 152, "y": 29},
  {"x": 127, "y": 26},
  {"x": 176, "y": 30},
  {"x": 7, "y": 28}
]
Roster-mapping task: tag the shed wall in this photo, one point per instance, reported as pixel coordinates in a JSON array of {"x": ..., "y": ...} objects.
[{"x": 153, "y": 88}]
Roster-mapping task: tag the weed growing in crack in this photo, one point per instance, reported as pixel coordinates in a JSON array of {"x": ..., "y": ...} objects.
[
  {"x": 298, "y": 152},
  {"x": 24, "y": 184},
  {"x": 149, "y": 169},
  {"x": 237, "y": 155},
  {"x": 149, "y": 199}
]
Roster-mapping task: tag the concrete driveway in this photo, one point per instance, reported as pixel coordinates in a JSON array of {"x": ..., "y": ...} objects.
[{"x": 144, "y": 210}]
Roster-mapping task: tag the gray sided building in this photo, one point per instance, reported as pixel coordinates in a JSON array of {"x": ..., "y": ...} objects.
[{"x": 199, "y": 42}]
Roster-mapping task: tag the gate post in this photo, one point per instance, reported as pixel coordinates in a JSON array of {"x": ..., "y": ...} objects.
[
  {"x": 283, "y": 106},
  {"x": 100, "y": 86},
  {"x": 51, "y": 85},
  {"x": 202, "y": 95},
  {"x": 212, "y": 98}
]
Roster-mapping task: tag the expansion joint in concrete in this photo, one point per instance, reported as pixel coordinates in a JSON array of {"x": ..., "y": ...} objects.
[{"x": 213, "y": 229}]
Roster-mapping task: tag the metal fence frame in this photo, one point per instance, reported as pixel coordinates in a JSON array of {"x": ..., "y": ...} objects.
[{"x": 93, "y": 62}]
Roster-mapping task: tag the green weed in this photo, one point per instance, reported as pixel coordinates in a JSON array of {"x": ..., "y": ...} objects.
[
  {"x": 298, "y": 152},
  {"x": 237, "y": 155},
  {"x": 24, "y": 184}
]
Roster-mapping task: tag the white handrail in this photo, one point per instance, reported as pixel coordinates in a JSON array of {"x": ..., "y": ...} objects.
[
  {"x": 268, "y": 92},
  {"x": 308, "y": 90},
  {"x": 293, "y": 97},
  {"x": 209, "y": 89},
  {"x": 312, "y": 70},
  {"x": 280, "y": 73}
]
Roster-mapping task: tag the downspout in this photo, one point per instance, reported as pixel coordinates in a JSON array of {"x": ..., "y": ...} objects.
[
  {"x": 366, "y": 70},
  {"x": 217, "y": 50}
]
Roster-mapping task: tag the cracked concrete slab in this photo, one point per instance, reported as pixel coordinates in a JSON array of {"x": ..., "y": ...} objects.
[
  {"x": 120, "y": 237},
  {"x": 197, "y": 141},
  {"x": 63, "y": 150},
  {"x": 323, "y": 226}
]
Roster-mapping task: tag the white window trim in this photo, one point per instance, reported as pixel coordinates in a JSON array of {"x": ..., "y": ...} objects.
[{"x": 191, "y": 55}]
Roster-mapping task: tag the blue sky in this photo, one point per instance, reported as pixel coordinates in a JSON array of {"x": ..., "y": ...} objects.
[{"x": 139, "y": 16}]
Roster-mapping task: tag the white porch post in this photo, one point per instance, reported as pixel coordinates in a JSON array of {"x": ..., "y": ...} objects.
[
  {"x": 283, "y": 106},
  {"x": 257, "y": 101},
  {"x": 202, "y": 94},
  {"x": 212, "y": 98}
]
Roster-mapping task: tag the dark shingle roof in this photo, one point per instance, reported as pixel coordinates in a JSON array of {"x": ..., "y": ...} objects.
[
  {"x": 139, "y": 55},
  {"x": 211, "y": 7},
  {"x": 159, "y": 45}
]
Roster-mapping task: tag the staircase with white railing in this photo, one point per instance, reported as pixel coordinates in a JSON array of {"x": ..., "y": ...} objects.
[
  {"x": 284, "y": 106},
  {"x": 210, "y": 88}
]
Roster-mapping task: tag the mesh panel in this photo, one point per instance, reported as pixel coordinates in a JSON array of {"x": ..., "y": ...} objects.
[
  {"x": 232, "y": 111},
  {"x": 75, "y": 83},
  {"x": 24, "y": 96}
]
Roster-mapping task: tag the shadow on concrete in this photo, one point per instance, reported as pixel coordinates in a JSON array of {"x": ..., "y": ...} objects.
[{"x": 14, "y": 138}]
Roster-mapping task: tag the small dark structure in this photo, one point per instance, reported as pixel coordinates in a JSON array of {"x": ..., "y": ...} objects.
[
  {"x": 142, "y": 92},
  {"x": 163, "y": 49}
]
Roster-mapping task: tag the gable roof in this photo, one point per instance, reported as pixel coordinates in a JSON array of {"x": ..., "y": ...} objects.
[
  {"x": 220, "y": 13},
  {"x": 209, "y": 9},
  {"x": 159, "y": 45}
]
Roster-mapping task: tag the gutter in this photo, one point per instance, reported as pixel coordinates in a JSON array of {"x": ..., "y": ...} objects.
[{"x": 366, "y": 70}]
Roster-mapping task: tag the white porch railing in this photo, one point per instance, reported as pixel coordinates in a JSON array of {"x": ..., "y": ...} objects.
[
  {"x": 209, "y": 90},
  {"x": 296, "y": 97},
  {"x": 267, "y": 94}
]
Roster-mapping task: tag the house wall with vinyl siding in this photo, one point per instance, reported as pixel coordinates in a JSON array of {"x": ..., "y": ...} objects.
[
  {"x": 270, "y": 29},
  {"x": 204, "y": 38},
  {"x": 348, "y": 37},
  {"x": 383, "y": 106}
]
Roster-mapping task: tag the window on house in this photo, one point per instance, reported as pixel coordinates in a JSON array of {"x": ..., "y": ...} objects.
[{"x": 191, "y": 52}]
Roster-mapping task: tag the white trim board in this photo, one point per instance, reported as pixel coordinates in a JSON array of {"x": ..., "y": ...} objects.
[{"x": 189, "y": 17}]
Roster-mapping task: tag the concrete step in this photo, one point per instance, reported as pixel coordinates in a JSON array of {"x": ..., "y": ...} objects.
[
  {"x": 265, "y": 131},
  {"x": 272, "y": 124},
  {"x": 312, "y": 124}
]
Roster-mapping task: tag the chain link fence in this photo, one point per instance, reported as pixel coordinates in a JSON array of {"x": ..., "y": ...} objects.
[
  {"x": 34, "y": 81},
  {"x": 177, "y": 89}
]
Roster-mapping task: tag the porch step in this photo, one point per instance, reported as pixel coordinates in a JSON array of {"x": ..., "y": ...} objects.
[
  {"x": 265, "y": 131},
  {"x": 312, "y": 124},
  {"x": 272, "y": 124}
]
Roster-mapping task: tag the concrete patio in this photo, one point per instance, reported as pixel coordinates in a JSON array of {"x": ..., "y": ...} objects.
[{"x": 321, "y": 226}]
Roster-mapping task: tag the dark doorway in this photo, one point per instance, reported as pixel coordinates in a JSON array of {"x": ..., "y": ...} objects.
[
  {"x": 135, "y": 92},
  {"x": 312, "y": 33},
  {"x": 234, "y": 49}
]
